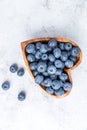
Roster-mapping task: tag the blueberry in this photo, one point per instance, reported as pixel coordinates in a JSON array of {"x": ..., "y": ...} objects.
[
  {"x": 51, "y": 57},
  {"x": 63, "y": 77},
  {"x": 52, "y": 43},
  {"x": 47, "y": 82},
  {"x": 41, "y": 67},
  {"x": 62, "y": 46},
  {"x": 68, "y": 46},
  {"x": 13, "y": 68},
  {"x": 6, "y": 85},
  {"x": 43, "y": 48},
  {"x": 35, "y": 72},
  {"x": 39, "y": 78},
  {"x": 59, "y": 64},
  {"x": 58, "y": 72},
  {"x": 21, "y": 96},
  {"x": 75, "y": 51},
  {"x": 53, "y": 76},
  {"x": 57, "y": 52},
  {"x": 38, "y": 45},
  {"x": 69, "y": 63},
  {"x": 64, "y": 56},
  {"x": 50, "y": 90},
  {"x": 44, "y": 57},
  {"x": 33, "y": 65},
  {"x": 31, "y": 58},
  {"x": 20, "y": 72},
  {"x": 59, "y": 92},
  {"x": 51, "y": 69},
  {"x": 30, "y": 48},
  {"x": 56, "y": 84},
  {"x": 49, "y": 49},
  {"x": 72, "y": 58},
  {"x": 45, "y": 73},
  {"x": 38, "y": 55},
  {"x": 67, "y": 86}
]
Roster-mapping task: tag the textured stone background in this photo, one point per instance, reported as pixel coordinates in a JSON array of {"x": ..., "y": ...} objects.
[{"x": 25, "y": 19}]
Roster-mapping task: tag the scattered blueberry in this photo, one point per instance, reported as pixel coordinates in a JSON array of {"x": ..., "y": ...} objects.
[
  {"x": 51, "y": 69},
  {"x": 6, "y": 85},
  {"x": 68, "y": 46},
  {"x": 50, "y": 90},
  {"x": 57, "y": 52},
  {"x": 75, "y": 51},
  {"x": 67, "y": 86},
  {"x": 20, "y": 72},
  {"x": 30, "y": 48},
  {"x": 52, "y": 43},
  {"x": 69, "y": 63},
  {"x": 13, "y": 68},
  {"x": 21, "y": 96},
  {"x": 39, "y": 78},
  {"x": 59, "y": 92}
]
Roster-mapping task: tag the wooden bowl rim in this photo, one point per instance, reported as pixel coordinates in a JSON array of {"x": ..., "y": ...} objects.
[{"x": 65, "y": 40}]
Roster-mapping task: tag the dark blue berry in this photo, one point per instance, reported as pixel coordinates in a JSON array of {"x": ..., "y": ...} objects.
[
  {"x": 58, "y": 72},
  {"x": 44, "y": 57},
  {"x": 75, "y": 51},
  {"x": 72, "y": 58},
  {"x": 53, "y": 76},
  {"x": 35, "y": 72},
  {"x": 43, "y": 48},
  {"x": 63, "y": 77},
  {"x": 59, "y": 92},
  {"x": 21, "y": 96},
  {"x": 59, "y": 64},
  {"x": 6, "y": 85},
  {"x": 51, "y": 57},
  {"x": 38, "y": 55},
  {"x": 41, "y": 67},
  {"x": 57, "y": 52},
  {"x": 50, "y": 90},
  {"x": 69, "y": 63},
  {"x": 64, "y": 56},
  {"x": 68, "y": 46},
  {"x": 38, "y": 45},
  {"x": 67, "y": 86},
  {"x": 33, "y": 65},
  {"x": 20, "y": 72},
  {"x": 62, "y": 46},
  {"x": 47, "y": 82},
  {"x": 39, "y": 78},
  {"x": 45, "y": 73},
  {"x": 31, "y": 58},
  {"x": 56, "y": 84},
  {"x": 13, "y": 68},
  {"x": 51, "y": 69},
  {"x": 30, "y": 48},
  {"x": 52, "y": 43}
]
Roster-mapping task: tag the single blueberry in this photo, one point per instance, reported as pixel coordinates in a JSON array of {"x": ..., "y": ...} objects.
[
  {"x": 31, "y": 57},
  {"x": 51, "y": 57},
  {"x": 21, "y": 96},
  {"x": 30, "y": 48},
  {"x": 59, "y": 64},
  {"x": 38, "y": 45},
  {"x": 41, "y": 66},
  {"x": 20, "y": 72},
  {"x": 69, "y": 63},
  {"x": 59, "y": 92},
  {"x": 44, "y": 57},
  {"x": 51, "y": 69},
  {"x": 13, "y": 68},
  {"x": 58, "y": 72},
  {"x": 64, "y": 56},
  {"x": 33, "y": 65},
  {"x": 57, "y": 52},
  {"x": 75, "y": 51},
  {"x": 6, "y": 85},
  {"x": 43, "y": 48},
  {"x": 67, "y": 86},
  {"x": 56, "y": 84},
  {"x": 52, "y": 43},
  {"x": 35, "y": 72},
  {"x": 47, "y": 82},
  {"x": 53, "y": 76},
  {"x": 62, "y": 46},
  {"x": 39, "y": 78},
  {"x": 50, "y": 90},
  {"x": 68, "y": 46},
  {"x": 38, "y": 54},
  {"x": 63, "y": 77}
]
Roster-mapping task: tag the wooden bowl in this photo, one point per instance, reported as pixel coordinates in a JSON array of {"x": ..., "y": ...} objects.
[{"x": 68, "y": 71}]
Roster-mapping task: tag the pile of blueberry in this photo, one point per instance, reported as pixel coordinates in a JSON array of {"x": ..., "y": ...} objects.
[{"x": 48, "y": 61}]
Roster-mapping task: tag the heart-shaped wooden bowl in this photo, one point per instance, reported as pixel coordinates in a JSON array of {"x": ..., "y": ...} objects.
[{"x": 68, "y": 71}]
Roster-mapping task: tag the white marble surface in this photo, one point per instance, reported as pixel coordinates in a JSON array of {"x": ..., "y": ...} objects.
[{"x": 25, "y": 19}]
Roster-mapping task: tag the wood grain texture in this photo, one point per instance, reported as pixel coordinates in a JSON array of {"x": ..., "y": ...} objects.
[{"x": 68, "y": 71}]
